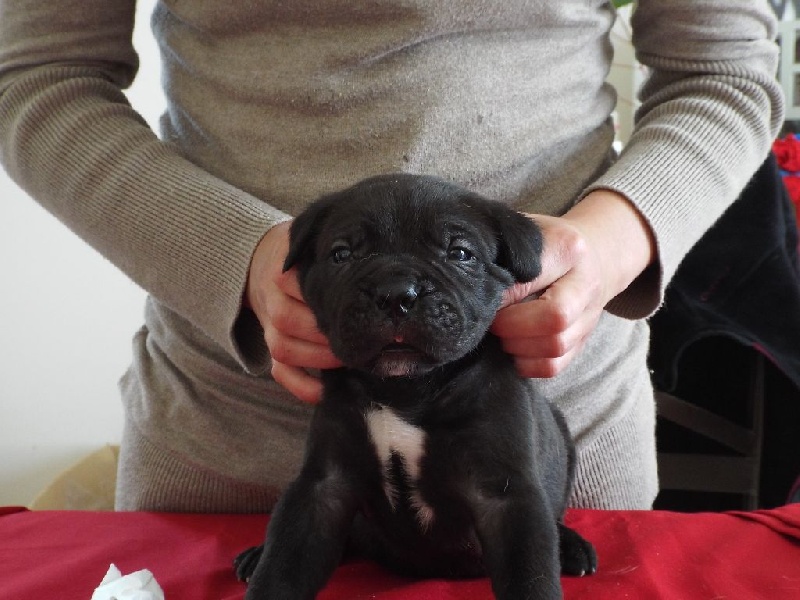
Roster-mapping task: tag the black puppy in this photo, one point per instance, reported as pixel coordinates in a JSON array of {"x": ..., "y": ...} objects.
[{"x": 427, "y": 452}]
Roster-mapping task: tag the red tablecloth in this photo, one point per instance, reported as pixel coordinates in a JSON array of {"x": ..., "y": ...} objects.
[{"x": 643, "y": 555}]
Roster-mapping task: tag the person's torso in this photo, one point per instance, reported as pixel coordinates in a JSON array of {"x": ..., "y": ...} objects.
[{"x": 289, "y": 100}]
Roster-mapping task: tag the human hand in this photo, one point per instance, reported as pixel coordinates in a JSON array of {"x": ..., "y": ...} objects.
[
  {"x": 290, "y": 329},
  {"x": 591, "y": 254}
]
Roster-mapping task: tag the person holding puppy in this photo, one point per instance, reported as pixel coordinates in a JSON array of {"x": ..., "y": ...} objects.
[{"x": 271, "y": 105}]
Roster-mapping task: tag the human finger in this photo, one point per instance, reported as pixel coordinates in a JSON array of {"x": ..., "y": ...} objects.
[
  {"x": 543, "y": 368},
  {"x": 544, "y": 346},
  {"x": 299, "y": 352},
  {"x": 298, "y": 382},
  {"x": 289, "y": 284},
  {"x": 293, "y": 318},
  {"x": 552, "y": 313}
]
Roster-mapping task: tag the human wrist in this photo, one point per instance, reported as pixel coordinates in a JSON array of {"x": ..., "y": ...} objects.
[{"x": 618, "y": 232}]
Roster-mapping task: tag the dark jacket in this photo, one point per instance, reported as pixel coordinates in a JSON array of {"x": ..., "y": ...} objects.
[{"x": 741, "y": 280}]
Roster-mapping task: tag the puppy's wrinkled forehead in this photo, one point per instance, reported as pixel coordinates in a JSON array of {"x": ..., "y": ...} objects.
[
  {"x": 414, "y": 214},
  {"x": 404, "y": 224}
]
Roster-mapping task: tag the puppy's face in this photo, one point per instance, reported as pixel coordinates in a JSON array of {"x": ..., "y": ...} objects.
[{"x": 405, "y": 273}]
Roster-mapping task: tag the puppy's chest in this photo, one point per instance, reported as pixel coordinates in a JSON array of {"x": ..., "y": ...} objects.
[{"x": 400, "y": 448}]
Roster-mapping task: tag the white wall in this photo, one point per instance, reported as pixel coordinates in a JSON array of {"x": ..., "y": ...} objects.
[
  {"x": 626, "y": 75},
  {"x": 66, "y": 320}
]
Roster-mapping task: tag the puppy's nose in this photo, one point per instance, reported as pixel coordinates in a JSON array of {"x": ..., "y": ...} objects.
[{"x": 396, "y": 297}]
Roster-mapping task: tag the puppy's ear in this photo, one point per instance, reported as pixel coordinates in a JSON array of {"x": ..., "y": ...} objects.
[
  {"x": 304, "y": 230},
  {"x": 519, "y": 237},
  {"x": 521, "y": 245}
]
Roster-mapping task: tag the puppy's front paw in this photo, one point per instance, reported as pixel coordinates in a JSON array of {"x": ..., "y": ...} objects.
[
  {"x": 578, "y": 556},
  {"x": 246, "y": 562}
]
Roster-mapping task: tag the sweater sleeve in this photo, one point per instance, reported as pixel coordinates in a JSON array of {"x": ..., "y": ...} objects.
[
  {"x": 71, "y": 140},
  {"x": 710, "y": 108}
]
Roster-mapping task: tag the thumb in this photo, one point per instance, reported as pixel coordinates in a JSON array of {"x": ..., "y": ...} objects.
[
  {"x": 557, "y": 259},
  {"x": 289, "y": 284},
  {"x": 520, "y": 292}
]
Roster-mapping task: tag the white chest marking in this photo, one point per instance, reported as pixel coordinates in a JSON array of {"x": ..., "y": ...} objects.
[{"x": 392, "y": 435}]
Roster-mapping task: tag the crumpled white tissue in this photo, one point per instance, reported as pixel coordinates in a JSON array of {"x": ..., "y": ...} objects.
[{"x": 140, "y": 585}]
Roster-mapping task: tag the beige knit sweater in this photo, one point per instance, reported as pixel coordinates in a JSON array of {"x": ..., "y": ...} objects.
[{"x": 272, "y": 103}]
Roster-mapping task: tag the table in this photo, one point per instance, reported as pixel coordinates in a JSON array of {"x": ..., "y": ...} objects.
[{"x": 646, "y": 555}]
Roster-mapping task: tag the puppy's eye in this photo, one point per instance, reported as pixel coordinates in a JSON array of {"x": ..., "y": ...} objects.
[
  {"x": 341, "y": 253},
  {"x": 460, "y": 254}
]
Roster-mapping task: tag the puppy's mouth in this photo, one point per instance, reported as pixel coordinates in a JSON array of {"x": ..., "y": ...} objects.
[{"x": 399, "y": 359}]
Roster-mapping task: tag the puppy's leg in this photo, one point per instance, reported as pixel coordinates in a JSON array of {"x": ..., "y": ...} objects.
[
  {"x": 245, "y": 563},
  {"x": 519, "y": 537},
  {"x": 305, "y": 539},
  {"x": 578, "y": 556}
]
